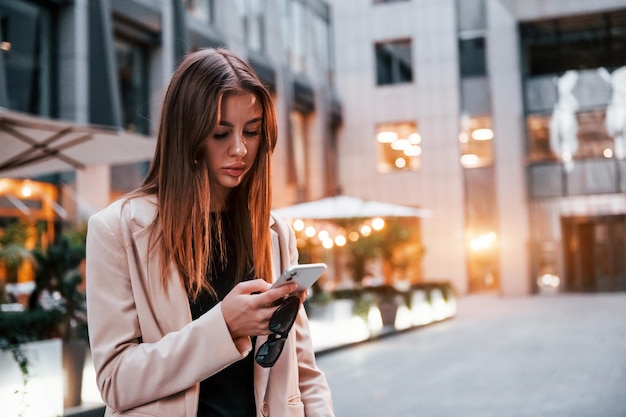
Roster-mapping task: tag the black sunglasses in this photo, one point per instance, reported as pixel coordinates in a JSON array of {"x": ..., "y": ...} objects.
[{"x": 280, "y": 324}]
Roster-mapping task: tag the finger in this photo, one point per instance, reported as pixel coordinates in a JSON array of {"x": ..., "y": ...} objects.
[
  {"x": 253, "y": 286},
  {"x": 274, "y": 294},
  {"x": 303, "y": 295}
]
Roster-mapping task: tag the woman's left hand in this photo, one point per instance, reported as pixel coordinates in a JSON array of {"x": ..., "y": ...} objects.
[{"x": 247, "y": 308}]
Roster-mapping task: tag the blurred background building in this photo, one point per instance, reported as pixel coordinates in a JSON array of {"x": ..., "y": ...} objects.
[
  {"x": 506, "y": 119},
  {"x": 106, "y": 63},
  {"x": 503, "y": 118}
]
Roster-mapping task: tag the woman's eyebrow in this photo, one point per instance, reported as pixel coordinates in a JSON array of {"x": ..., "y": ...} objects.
[
  {"x": 255, "y": 120},
  {"x": 229, "y": 124}
]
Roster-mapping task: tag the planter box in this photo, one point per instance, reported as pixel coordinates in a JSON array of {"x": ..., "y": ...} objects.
[
  {"x": 421, "y": 310},
  {"x": 74, "y": 355},
  {"x": 333, "y": 311},
  {"x": 42, "y": 396}
]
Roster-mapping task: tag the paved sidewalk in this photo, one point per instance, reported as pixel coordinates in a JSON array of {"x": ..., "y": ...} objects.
[{"x": 538, "y": 356}]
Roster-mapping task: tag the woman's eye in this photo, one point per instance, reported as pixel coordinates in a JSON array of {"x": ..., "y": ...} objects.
[
  {"x": 220, "y": 135},
  {"x": 250, "y": 133}
]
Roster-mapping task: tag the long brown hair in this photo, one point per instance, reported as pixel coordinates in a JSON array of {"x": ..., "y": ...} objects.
[{"x": 179, "y": 176}]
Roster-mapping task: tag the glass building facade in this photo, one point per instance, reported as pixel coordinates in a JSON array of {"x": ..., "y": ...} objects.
[
  {"x": 106, "y": 63},
  {"x": 519, "y": 108}
]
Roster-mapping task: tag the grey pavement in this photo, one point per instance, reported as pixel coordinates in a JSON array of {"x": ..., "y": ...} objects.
[{"x": 538, "y": 356}]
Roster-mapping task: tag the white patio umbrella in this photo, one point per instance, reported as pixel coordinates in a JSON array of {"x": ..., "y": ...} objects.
[
  {"x": 31, "y": 145},
  {"x": 344, "y": 207}
]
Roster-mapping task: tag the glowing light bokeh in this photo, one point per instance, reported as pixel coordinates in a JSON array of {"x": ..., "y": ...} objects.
[
  {"x": 482, "y": 134},
  {"x": 298, "y": 225},
  {"x": 378, "y": 223},
  {"x": 386, "y": 136},
  {"x": 400, "y": 163},
  {"x": 340, "y": 240}
]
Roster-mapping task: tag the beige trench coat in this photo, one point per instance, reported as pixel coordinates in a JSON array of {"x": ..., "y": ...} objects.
[{"x": 145, "y": 345}]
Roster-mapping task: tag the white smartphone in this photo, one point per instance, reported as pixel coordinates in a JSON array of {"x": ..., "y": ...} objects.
[{"x": 304, "y": 275}]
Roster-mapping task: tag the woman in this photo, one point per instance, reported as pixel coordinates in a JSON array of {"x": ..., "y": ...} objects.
[{"x": 179, "y": 271}]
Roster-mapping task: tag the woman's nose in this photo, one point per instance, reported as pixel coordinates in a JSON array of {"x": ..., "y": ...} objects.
[{"x": 238, "y": 147}]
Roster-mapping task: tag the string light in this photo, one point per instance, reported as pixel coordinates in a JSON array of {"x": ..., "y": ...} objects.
[
  {"x": 26, "y": 191},
  {"x": 378, "y": 223},
  {"x": 298, "y": 225},
  {"x": 330, "y": 234}
]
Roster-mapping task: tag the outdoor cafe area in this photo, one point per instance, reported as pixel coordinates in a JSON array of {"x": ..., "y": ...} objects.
[
  {"x": 374, "y": 283},
  {"x": 373, "y": 286}
]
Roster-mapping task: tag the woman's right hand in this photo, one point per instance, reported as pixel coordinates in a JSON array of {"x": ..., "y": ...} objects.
[{"x": 247, "y": 308}]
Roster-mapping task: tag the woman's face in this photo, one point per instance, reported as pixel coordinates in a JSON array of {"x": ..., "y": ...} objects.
[{"x": 233, "y": 144}]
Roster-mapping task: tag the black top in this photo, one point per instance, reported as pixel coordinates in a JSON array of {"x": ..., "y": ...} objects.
[{"x": 230, "y": 392}]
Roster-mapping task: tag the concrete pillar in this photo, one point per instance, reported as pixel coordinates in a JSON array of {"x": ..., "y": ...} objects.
[
  {"x": 93, "y": 184},
  {"x": 504, "y": 66}
]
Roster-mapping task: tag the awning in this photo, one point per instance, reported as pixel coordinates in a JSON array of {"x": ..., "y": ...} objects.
[
  {"x": 345, "y": 207},
  {"x": 32, "y": 146}
]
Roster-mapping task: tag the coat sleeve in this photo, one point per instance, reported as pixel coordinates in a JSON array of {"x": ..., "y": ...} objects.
[
  {"x": 131, "y": 371},
  {"x": 314, "y": 389}
]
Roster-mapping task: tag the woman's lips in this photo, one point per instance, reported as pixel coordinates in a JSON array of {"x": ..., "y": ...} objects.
[{"x": 235, "y": 170}]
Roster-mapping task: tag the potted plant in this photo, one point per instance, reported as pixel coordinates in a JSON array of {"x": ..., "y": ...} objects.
[
  {"x": 60, "y": 288},
  {"x": 56, "y": 310},
  {"x": 13, "y": 254}
]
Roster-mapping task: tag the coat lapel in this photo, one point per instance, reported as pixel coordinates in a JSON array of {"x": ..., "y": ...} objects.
[
  {"x": 280, "y": 261},
  {"x": 169, "y": 312}
]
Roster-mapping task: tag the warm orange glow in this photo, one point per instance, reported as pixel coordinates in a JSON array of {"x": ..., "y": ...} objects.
[
  {"x": 378, "y": 223},
  {"x": 298, "y": 225},
  {"x": 20, "y": 191},
  {"x": 483, "y": 242},
  {"x": 386, "y": 136},
  {"x": 482, "y": 134},
  {"x": 340, "y": 240}
]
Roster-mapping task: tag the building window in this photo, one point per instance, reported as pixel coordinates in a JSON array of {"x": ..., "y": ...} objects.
[
  {"x": 398, "y": 147},
  {"x": 253, "y": 18},
  {"x": 294, "y": 30},
  {"x": 133, "y": 81},
  {"x": 25, "y": 45},
  {"x": 580, "y": 42},
  {"x": 472, "y": 57},
  {"x": 588, "y": 138},
  {"x": 322, "y": 45},
  {"x": 201, "y": 10},
  {"x": 476, "y": 142},
  {"x": 298, "y": 168},
  {"x": 471, "y": 15},
  {"x": 393, "y": 62}
]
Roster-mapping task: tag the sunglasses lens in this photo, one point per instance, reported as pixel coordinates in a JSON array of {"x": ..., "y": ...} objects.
[
  {"x": 284, "y": 316},
  {"x": 269, "y": 352},
  {"x": 279, "y": 325}
]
